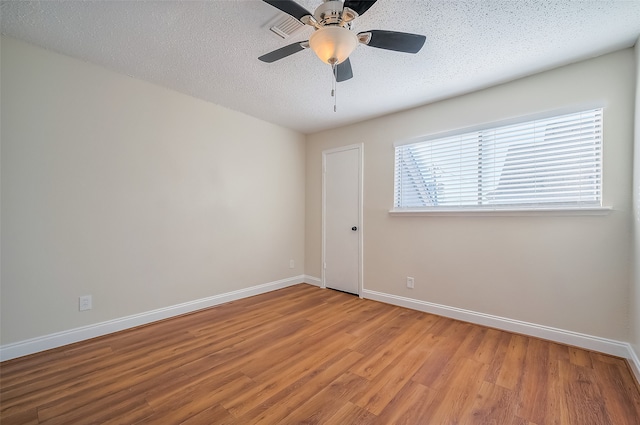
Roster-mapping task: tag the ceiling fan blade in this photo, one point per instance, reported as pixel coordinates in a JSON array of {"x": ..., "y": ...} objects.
[
  {"x": 393, "y": 40},
  {"x": 359, "y": 6},
  {"x": 343, "y": 71},
  {"x": 290, "y": 7},
  {"x": 283, "y": 52}
]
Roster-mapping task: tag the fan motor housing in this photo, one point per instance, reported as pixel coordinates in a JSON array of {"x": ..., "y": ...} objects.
[{"x": 329, "y": 13}]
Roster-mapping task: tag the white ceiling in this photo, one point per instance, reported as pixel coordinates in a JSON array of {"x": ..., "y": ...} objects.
[{"x": 209, "y": 49}]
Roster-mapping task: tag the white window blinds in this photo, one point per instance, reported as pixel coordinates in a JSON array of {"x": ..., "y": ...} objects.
[{"x": 547, "y": 163}]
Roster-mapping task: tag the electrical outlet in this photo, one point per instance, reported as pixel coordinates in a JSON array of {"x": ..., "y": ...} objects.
[
  {"x": 85, "y": 303},
  {"x": 292, "y": 264},
  {"x": 410, "y": 282}
]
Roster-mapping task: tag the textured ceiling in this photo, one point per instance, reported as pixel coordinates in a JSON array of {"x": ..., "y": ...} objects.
[{"x": 209, "y": 49}]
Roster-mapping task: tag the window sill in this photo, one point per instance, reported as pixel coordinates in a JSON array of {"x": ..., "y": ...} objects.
[{"x": 504, "y": 212}]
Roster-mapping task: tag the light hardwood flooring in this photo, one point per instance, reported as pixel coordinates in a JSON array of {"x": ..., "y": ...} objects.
[{"x": 304, "y": 355}]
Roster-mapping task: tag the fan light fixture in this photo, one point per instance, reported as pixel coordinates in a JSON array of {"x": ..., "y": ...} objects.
[{"x": 333, "y": 44}]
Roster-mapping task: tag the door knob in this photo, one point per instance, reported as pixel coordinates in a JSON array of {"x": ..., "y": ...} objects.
[{"x": 354, "y": 228}]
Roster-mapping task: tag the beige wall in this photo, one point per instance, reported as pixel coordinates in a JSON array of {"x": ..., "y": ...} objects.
[
  {"x": 135, "y": 194},
  {"x": 570, "y": 272},
  {"x": 634, "y": 299}
]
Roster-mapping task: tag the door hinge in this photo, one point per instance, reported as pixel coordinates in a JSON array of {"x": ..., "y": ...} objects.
[{"x": 324, "y": 265}]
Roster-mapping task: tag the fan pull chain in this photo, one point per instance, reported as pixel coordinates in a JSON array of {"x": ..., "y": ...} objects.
[{"x": 334, "y": 86}]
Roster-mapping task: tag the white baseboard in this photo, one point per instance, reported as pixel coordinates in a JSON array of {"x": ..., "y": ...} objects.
[
  {"x": 58, "y": 339},
  {"x": 634, "y": 362},
  {"x": 313, "y": 280},
  {"x": 589, "y": 342},
  {"x": 603, "y": 345}
]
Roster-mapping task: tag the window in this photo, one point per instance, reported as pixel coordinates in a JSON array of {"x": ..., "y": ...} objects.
[{"x": 547, "y": 163}]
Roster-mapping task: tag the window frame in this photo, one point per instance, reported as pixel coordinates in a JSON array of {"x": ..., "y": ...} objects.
[{"x": 510, "y": 210}]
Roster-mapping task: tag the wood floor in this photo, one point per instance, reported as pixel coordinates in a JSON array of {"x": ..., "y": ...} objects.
[{"x": 304, "y": 355}]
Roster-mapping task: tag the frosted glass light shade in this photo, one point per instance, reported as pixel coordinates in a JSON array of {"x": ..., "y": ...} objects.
[{"x": 333, "y": 45}]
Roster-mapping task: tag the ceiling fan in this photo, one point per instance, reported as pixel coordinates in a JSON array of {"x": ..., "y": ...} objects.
[{"x": 333, "y": 39}]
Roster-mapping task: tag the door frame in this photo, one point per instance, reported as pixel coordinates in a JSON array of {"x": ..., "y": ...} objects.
[{"x": 360, "y": 148}]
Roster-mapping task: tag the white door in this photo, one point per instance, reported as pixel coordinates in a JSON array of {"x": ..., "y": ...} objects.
[{"x": 342, "y": 235}]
